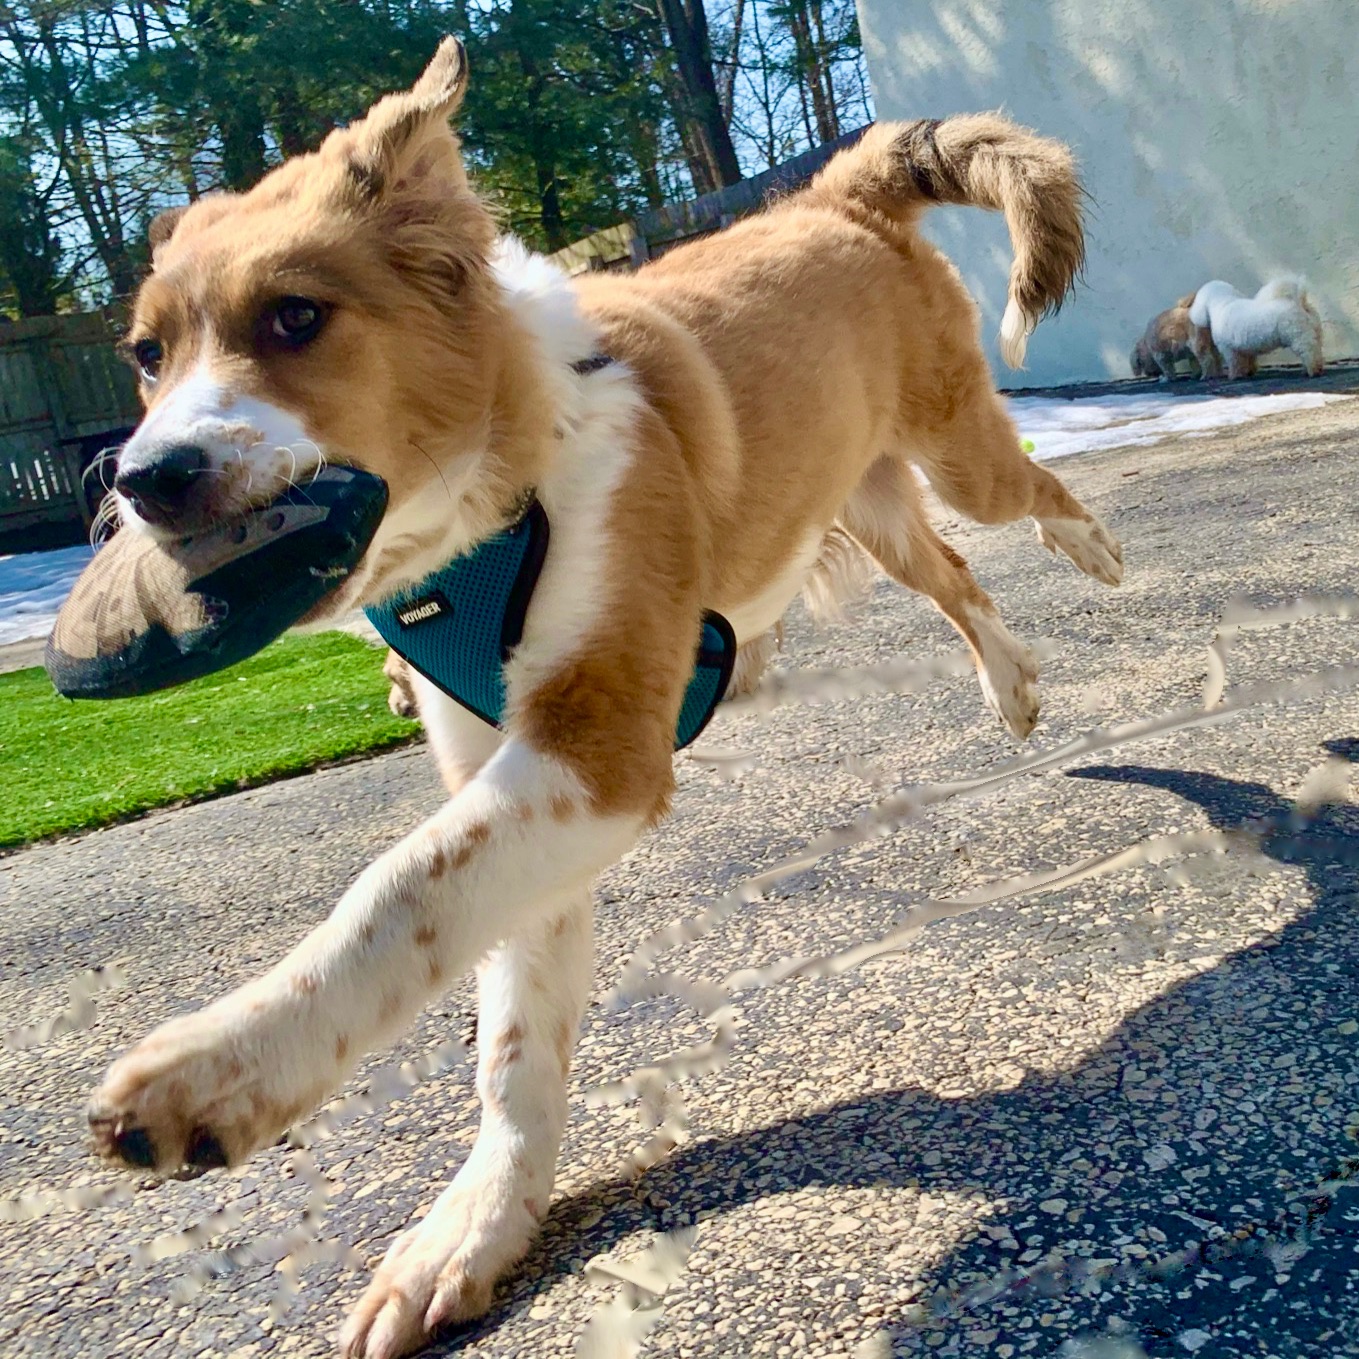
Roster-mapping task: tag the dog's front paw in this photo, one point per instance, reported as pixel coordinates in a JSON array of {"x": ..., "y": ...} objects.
[
  {"x": 204, "y": 1090},
  {"x": 445, "y": 1268}
]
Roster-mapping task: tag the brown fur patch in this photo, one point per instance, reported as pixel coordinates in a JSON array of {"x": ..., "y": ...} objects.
[
  {"x": 304, "y": 985},
  {"x": 561, "y": 808},
  {"x": 341, "y": 1047},
  {"x": 565, "y": 1042},
  {"x": 508, "y": 1049},
  {"x": 425, "y": 935},
  {"x": 609, "y": 713}
]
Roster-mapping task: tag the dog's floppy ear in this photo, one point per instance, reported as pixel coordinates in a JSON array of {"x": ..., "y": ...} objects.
[
  {"x": 162, "y": 227},
  {"x": 165, "y": 224},
  {"x": 405, "y": 137}
]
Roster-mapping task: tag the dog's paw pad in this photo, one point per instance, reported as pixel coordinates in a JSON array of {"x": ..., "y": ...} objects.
[
  {"x": 188, "y": 1096},
  {"x": 115, "y": 1141}
]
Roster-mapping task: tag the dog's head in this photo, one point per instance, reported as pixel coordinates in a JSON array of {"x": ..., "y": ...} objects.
[{"x": 341, "y": 310}]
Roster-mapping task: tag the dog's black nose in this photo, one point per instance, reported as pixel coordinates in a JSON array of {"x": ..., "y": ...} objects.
[{"x": 159, "y": 484}]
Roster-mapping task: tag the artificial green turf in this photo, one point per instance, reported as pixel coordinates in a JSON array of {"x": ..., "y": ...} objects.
[{"x": 68, "y": 765}]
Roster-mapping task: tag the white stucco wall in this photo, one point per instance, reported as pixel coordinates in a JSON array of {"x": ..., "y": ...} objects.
[{"x": 1219, "y": 139}]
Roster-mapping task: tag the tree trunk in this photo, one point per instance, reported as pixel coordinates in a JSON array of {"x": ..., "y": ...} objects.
[
  {"x": 290, "y": 122},
  {"x": 687, "y": 23},
  {"x": 550, "y": 215},
  {"x": 811, "y": 73},
  {"x": 823, "y": 75},
  {"x": 232, "y": 106}
]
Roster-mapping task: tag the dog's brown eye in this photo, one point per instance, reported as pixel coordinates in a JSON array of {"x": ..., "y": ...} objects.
[
  {"x": 148, "y": 354},
  {"x": 297, "y": 320}
]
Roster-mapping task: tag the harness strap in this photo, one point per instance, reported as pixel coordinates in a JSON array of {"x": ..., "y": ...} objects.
[{"x": 458, "y": 626}]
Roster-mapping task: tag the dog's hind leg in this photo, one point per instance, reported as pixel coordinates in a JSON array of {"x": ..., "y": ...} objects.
[
  {"x": 1206, "y": 353},
  {"x": 975, "y": 464},
  {"x": 531, "y": 993},
  {"x": 1304, "y": 339},
  {"x": 1165, "y": 361},
  {"x": 885, "y": 515}
]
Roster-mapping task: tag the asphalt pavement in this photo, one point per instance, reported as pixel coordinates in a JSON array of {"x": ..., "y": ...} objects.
[{"x": 1116, "y": 1110}]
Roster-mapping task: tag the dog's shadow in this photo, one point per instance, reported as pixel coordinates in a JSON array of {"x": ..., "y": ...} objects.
[{"x": 1241, "y": 1073}]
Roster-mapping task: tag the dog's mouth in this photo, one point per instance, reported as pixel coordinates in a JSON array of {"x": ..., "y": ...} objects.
[{"x": 189, "y": 490}]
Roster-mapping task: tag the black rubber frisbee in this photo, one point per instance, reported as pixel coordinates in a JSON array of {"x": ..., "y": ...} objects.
[{"x": 144, "y": 615}]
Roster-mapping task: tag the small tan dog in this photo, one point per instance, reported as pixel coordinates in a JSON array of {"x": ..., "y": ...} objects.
[
  {"x": 1172, "y": 337},
  {"x": 693, "y": 433}
]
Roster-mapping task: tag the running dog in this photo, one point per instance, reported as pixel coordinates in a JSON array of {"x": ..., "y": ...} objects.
[
  {"x": 1279, "y": 316},
  {"x": 692, "y": 433}
]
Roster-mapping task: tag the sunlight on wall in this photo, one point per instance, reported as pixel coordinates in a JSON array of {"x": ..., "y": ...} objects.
[{"x": 1216, "y": 142}]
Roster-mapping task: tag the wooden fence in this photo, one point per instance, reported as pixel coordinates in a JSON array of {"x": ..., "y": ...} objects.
[
  {"x": 621, "y": 248},
  {"x": 64, "y": 395}
]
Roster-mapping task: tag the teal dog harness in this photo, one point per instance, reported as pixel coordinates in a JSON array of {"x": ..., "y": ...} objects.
[{"x": 458, "y": 626}]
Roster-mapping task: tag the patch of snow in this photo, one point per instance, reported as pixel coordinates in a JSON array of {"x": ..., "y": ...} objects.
[
  {"x": 33, "y": 586},
  {"x": 1059, "y": 427}
]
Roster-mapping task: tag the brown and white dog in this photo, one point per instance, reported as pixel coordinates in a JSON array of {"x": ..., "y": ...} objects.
[
  {"x": 784, "y": 377},
  {"x": 1171, "y": 337}
]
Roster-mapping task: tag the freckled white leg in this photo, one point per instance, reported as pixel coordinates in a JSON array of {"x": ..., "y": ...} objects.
[
  {"x": 532, "y": 993},
  {"x": 501, "y": 858}
]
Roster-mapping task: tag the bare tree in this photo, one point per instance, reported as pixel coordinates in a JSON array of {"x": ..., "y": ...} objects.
[{"x": 707, "y": 137}]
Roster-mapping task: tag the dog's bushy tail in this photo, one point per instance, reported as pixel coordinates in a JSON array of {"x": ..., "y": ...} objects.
[
  {"x": 1285, "y": 288},
  {"x": 897, "y": 170}
]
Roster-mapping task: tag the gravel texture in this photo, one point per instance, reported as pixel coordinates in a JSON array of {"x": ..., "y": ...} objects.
[{"x": 999, "y": 1141}]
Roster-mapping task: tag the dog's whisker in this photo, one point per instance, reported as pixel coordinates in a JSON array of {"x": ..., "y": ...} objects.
[
  {"x": 447, "y": 488},
  {"x": 102, "y": 524}
]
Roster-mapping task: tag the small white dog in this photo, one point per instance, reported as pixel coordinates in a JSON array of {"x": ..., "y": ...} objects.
[{"x": 1279, "y": 316}]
